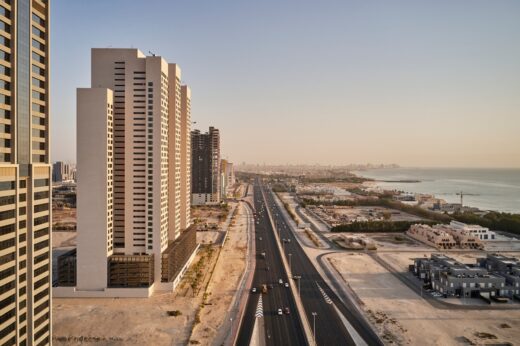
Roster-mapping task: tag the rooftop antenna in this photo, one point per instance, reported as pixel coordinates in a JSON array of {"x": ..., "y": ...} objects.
[{"x": 151, "y": 53}]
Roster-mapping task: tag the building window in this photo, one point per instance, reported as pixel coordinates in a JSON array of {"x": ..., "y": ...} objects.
[
  {"x": 38, "y": 70},
  {"x": 38, "y": 83},
  {"x": 5, "y": 41},
  {"x": 37, "y": 19},
  {"x": 5, "y": 99},
  {"x": 6, "y": 71},
  {"x": 4, "y": 26},
  {"x": 38, "y": 32}
]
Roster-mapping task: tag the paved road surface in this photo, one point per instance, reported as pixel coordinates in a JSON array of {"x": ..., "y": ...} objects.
[
  {"x": 316, "y": 293},
  {"x": 279, "y": 330}
]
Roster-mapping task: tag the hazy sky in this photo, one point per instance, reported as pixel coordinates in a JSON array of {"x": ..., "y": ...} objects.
[{"x": 422, "y": 83}]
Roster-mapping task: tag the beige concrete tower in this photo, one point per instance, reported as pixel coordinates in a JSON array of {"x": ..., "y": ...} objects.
[
  {"x": 129, "y": 199},
  {"x": 140, "y": 85},
  {"x": 185, "y": 157},
  {"x": 174, "y": 150},
  {"x": 140, "y": 160},
  {"x": 25, "y": 174},
  {"x": 95, "y": 155}
]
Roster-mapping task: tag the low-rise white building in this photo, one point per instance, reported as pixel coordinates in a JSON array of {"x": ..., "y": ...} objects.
[{"x": 482, "y": 233}]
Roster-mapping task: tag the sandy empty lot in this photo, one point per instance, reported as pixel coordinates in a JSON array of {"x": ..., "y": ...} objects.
[
  {"x": 146, "y": 321},
  {"x": 403, "y": 317},
  {"x": 214, "y": 326}
]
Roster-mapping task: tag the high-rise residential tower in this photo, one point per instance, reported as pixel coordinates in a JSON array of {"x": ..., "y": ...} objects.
[
  {"x": 227, "y": 177},
  {"x": 174, "y": 150},
  {"x": 205, "y": 177},
  {"x": 25, "y": 174},
  {"x": 129, "y": 179},
  {"x": 186, "y": 156}
]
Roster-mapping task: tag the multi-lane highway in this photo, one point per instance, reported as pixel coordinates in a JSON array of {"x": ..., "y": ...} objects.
[
  {"x": 320, "y": 303},
  {"x": 284, "y": 329},
  {"x": 317, "y": 297}
]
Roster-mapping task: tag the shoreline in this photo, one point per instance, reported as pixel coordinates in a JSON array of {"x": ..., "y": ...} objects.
[{"x": 492, "y": 201}]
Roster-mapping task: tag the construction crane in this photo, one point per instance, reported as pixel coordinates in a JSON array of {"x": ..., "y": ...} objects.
[{"x": 462, "y": 194}]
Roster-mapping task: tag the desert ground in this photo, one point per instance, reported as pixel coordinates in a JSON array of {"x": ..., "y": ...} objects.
[
  {"x": 214, "y": 323},
  {"x": 199, "y": 305},
  {"x": 403, "y": 317}
]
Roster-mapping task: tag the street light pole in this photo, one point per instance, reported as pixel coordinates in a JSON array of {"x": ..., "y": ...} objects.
[
  {"x": 298, "y": 277},
  {"x": 314, "y": 314}
]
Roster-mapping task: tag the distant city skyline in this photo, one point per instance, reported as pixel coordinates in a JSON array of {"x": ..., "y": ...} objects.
[{"x": 414, "y": 83}]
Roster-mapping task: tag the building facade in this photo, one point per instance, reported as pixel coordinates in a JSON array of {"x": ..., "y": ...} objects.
[
  {"x": 129, "y": 176},
  {"x": 482, "y": 233},
  {"x": 25, "y": 174},
  {"x": 491, "y": 277},
  {"x": 227, "y": 178},
  {"x": 185, "y": 157},
  {"x": 206, "y": 172},
  {"x": 446, "y": 236},
  {"x": 174, "y": 150},
  {"x": 432, "y": 236}
]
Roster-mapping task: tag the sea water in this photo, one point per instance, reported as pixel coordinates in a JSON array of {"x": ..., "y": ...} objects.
[{"x": 484, "y": 188}]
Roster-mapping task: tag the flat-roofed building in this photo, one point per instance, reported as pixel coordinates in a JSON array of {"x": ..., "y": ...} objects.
[
  {"x": 206, "y": 173},
  {"x": 464, "y": 239},
  {"x": 130, "y": 171},
  {"x": 483, "y": 233},
  {"x": 453, "y": 278},
  {"x": 431, "y": 236}
]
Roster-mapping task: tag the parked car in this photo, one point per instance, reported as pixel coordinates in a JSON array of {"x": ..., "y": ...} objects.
[
  {"x": 280, "y": 282},
  {"x": 286, "y": 310},
  {"x": 280, "y": 312},
  {"x": 253, "y": 290},
  {"x": 286, "y": 284}
]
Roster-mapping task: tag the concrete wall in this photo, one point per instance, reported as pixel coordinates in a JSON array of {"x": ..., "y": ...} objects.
[
  {"x": 92, "y": 202},
  {"x": 73, "y": 292}
]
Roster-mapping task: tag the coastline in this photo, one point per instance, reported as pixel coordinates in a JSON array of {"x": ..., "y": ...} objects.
[{"x": 486, "y": 189}]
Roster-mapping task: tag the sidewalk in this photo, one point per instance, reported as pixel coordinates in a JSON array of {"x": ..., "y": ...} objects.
[{"x": 239, "y": 302}]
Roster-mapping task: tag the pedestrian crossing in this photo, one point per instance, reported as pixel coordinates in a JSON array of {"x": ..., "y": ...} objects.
[
  {"x": 259, "y": 308},
  {"x": 327, "y": 299}
]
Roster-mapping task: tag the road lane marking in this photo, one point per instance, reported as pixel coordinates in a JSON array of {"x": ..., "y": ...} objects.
[
  {"x": 327, "y": 299},
  {"x": 259, "y": 308}
]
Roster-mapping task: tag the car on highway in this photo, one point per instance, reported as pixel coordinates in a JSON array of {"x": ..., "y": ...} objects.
[
  {"x": 280, "y": 282},
  {"x": 286, "y": 284},
  {"x": 286, "y": 310},
  {"x": 253, "y": 290},
  {"x": 280, "y": 312}
]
